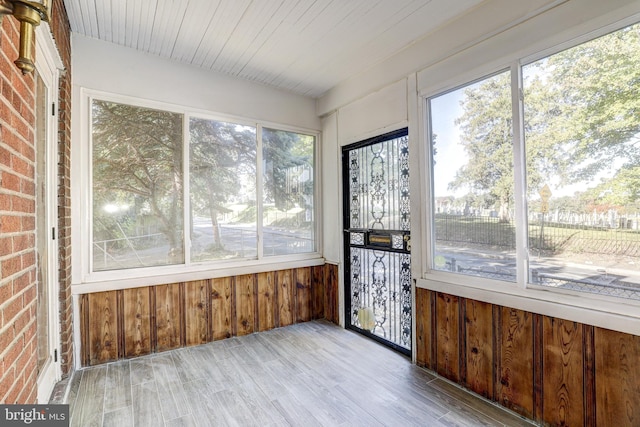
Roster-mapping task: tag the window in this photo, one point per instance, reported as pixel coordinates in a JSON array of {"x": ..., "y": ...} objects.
[
  {"x": 582, "y": 133},
  {"x": 137, "y": 187},
  {"x": 578, "y": 145},
  {"x": 222, "y": 164},
  {"x": 170, "y": 188},
  {"x": 473, "y": 186},
  {"x": 287, "y": 216}
]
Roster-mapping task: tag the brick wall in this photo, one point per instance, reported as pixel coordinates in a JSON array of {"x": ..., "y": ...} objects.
[
  {"x": 18, "y": 281},
  {"x": 17, "y": 225},
  {"x": 61, "y": 34}
]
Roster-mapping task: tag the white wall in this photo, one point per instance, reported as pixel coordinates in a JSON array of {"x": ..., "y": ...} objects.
[
  {"x": 332, "y": 209},
  {"x": 374, "y": 114},
  {"x": 108, "y": 67},
  {"x": 487, "y": 19}
]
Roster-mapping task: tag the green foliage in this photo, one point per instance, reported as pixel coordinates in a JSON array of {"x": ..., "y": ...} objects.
[
  {"x": 581, "y": 119},
  {"x": 286, "y": 156},
  {"x": 137, "y": 162},
  {"x": 220, "y": 154}
]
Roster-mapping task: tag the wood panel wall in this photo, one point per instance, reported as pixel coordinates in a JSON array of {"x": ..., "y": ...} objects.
[
  {"x": 554, "y": 371},
  {"x": 133, "y": 322}
]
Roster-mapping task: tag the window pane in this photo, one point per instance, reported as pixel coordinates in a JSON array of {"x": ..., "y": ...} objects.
[
  {"x": 473, "y": 181},
  {"x": 583, "y": 170},
  {"x": 288, "y": 219},
  {"x": 137, "y": 186},
  {"x": 223, "y": 190}
]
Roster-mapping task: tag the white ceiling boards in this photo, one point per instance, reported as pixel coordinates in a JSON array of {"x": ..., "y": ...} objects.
[{"x": 303, "y": 46}]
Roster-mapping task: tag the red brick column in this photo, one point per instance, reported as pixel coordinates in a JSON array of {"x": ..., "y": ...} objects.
[
  {"x": 18, "y": 346},
  {"x": 18, "y": 281}
]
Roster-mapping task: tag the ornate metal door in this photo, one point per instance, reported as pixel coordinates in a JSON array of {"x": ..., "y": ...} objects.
[{"x": 377, "y": 239}]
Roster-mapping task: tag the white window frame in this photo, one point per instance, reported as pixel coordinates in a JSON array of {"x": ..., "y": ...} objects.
[
  {"x": 96, "y": 281},
  {"x": 598, "y": 310},
  {"x": 48, "y": 65}
]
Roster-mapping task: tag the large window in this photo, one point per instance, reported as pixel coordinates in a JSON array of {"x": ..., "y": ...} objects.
[
  {"x": 576, "y": 156},
  {"x": 137, "y": 187},
  {"x": 170, "y": 188},
  {"x": 287, "y": 209},
  {"x": 473, "y": 184},
  {"x": 222, "y": 164}
]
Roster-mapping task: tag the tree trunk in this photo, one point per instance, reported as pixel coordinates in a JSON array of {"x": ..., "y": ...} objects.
[
  {"x": 504, "y": 213},
  {"x": 215, "y": 226}
]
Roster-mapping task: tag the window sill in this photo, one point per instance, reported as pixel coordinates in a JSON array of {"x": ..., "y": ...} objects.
[
  {"x": 604, "y": 312},
  {"x": 126, "y": 279}
]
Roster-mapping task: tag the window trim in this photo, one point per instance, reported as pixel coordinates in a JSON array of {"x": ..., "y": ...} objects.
[
  {"x": 85, "y": 280},
  {"x": 599, "y": 310}
]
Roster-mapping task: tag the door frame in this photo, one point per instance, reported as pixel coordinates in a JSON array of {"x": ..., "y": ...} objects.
[
  {"x": 48, "y": 63},
  {"x": 346, "y": 216}
]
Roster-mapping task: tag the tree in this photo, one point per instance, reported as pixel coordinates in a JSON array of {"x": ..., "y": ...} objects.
[
  {"x": 285, "y": 155},
  {"x": 137, "y": 162},
  {"x": 582, "y": 118},
  {"x": 601, "y": 111},
  {"x": 622, "y": 190},
  {"x": 486, "y": 135},
  {"x": 221, "y": 154}
]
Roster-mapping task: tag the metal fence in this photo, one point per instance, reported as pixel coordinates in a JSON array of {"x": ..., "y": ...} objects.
[
  {"x": 547, "y": 234},
  {"x": 475, "y": 230}
]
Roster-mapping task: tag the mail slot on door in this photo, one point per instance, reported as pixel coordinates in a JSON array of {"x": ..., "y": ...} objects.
[
  {"x": 395, "y": 241},
  {"x": 378, "y": 239}
]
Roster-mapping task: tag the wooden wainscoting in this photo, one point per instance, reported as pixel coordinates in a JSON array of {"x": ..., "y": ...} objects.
[
  {"x": 551, "y": 370},
  {"x": 133, "y": 322}
]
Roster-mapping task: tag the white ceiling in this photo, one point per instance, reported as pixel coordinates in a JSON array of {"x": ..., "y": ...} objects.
[{"x": 303, "y": 46}]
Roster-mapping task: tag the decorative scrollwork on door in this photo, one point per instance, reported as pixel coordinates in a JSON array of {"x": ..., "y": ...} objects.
[{"x": 378, "y": 235}]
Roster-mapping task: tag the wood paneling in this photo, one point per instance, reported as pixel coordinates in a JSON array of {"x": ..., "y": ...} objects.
[
  {"x": 479, "y": 347},
  {"x": 266, "y": 301},
  {"x": 196, "y": 303},
  {"x": 103, "y": 328},
  {"x": 221, "y": 308},
  {"x": 589, "y": 379},
  {"x": 515, "y": 388},
  {"x": 303, "y": 294},
  {"x": 556, "y": 372},
  {"x": 317, "y": 292},
  {"x": 286, "y": 300},
  {"x": 245, "y": 309},
  {"x": 331, "y": 292},
  {"x": 447, "y": 336},
  {"x": 168, "y": 308},
  {"x": 617, "y": 378},
  {"x": 423, "y": 328},
  {"x": 563, "y": 392},
  {"x": 137, "y": 322}
]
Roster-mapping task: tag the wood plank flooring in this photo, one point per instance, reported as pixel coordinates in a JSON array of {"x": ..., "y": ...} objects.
[{"x": 308, "y": 374}]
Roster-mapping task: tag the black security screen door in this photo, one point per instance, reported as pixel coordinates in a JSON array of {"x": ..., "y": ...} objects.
[{"x": 376, "y": 235}]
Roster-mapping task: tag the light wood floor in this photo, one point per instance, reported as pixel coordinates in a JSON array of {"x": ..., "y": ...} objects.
[{"x": 309, "y": 374}]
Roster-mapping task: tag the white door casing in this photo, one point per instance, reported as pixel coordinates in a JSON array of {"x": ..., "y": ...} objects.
[{"x": 48, "y": 64}]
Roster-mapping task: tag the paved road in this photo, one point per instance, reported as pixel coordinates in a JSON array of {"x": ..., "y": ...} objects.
[{"x": 550, "y": 271}]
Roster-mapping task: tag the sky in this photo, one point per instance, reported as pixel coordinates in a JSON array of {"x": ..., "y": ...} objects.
[{"x": 450, "y": 156}]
